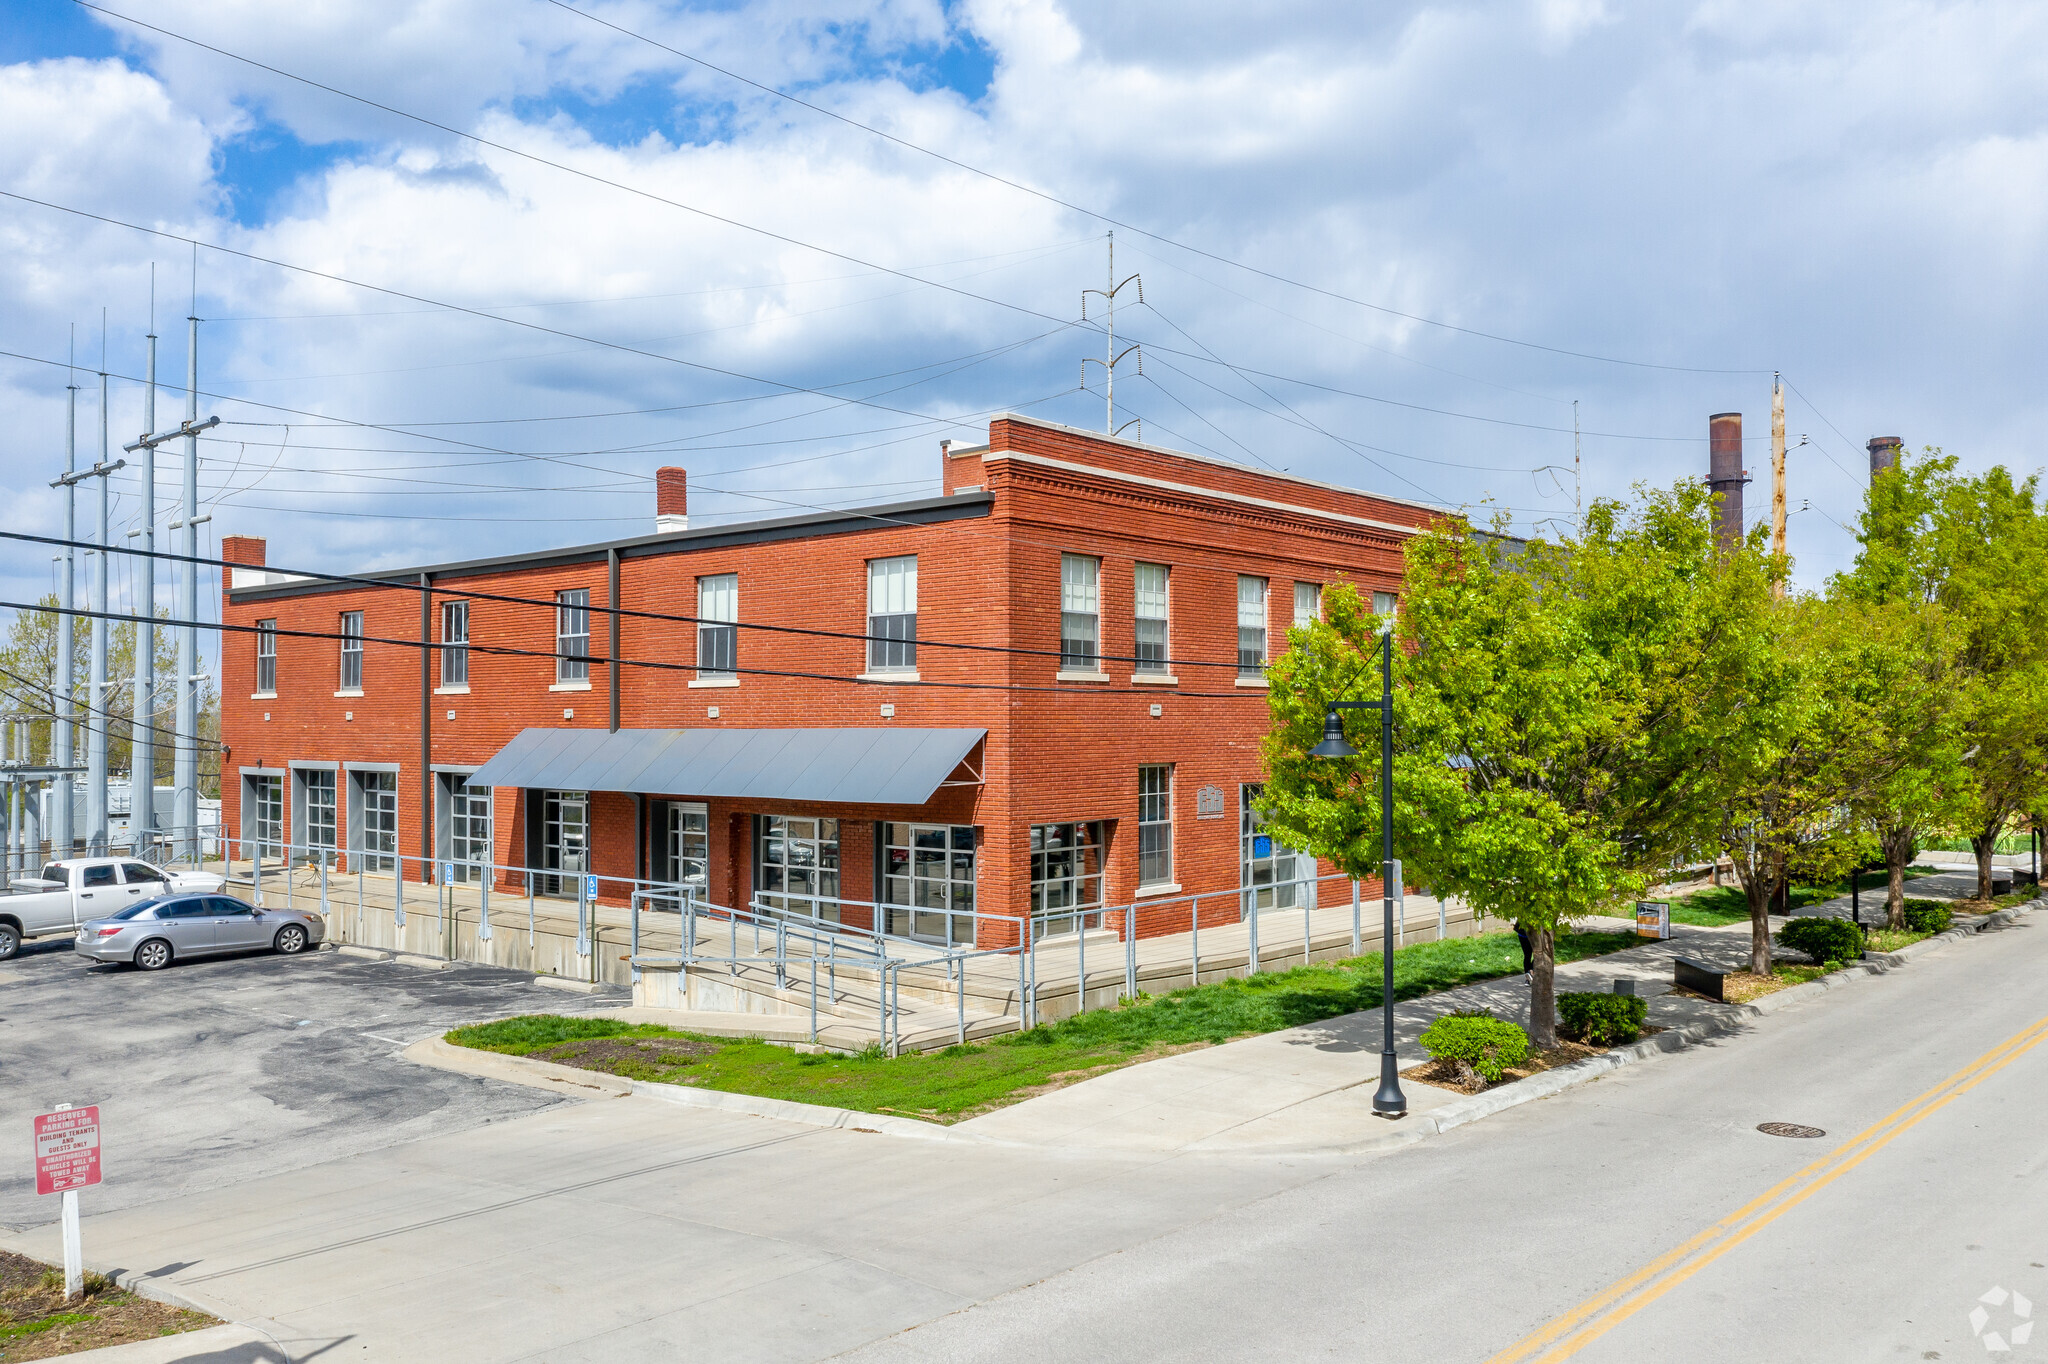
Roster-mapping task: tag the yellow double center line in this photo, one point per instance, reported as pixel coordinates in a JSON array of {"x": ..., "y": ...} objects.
[{"x": 1613, "y": 1305}]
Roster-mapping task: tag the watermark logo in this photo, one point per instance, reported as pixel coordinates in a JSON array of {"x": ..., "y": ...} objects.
[{"x": 2017, "y": 1332}]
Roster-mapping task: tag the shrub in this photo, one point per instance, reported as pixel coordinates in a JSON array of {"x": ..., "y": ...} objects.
[
  {"x": 1476, "y": 1042},
  {"x": 1928, "y": 916},
  {"x": 1602, "y": 1020},
  {"x": 1825, "y": 940}
]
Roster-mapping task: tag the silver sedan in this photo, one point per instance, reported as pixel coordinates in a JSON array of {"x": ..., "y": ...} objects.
[{"x": 155, "y": 932}]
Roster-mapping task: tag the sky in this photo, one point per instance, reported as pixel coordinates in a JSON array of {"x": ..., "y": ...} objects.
[{"x": 469, "y": 272}]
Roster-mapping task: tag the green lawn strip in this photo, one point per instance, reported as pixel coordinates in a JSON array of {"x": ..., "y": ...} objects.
[
  {"x": 1891, "y": 940},
  {"x": 959, "y": 1082},
  {"x": 1719, "y": 906}
]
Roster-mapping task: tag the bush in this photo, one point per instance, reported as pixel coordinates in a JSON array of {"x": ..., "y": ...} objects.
[
  {"x": 1476, "y": 1042},
  {"x": 1825, "y": 940},
  {"x": 1927, "y": 916},
  {"x": 1602, "y": 1020}
]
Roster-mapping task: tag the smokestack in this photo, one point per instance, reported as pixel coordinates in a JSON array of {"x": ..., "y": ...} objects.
[
  {"x": 1725, "y": 476},
  {"x": 1884, "y": 453},
  {"x": 671, "y": 499}
]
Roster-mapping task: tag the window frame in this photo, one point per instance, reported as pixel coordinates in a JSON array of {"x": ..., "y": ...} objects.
[
  {"x": 1071, "y": 593},
  {"x": 892, "y": 635},
  {"x": 1141, "y": 661},
  {"x": 1252, "y": 663},
  {"x": 572, "y": 607},
  {"x": 455, "y": 650},
  {"x": 1155, "y": 834},
  {"x": 718, "y": 636},
  {"x": 266, "y": 657},
  {"x": 351, "y": 651},
  {"x": 1315, "y": 604}
]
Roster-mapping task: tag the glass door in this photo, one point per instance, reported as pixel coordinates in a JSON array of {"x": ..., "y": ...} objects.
[
  {"x": 687, "y": 849},
  {"x": 469, "y": 829},
  {"x": 928, "y": 870},
  {"x": 378, "y": 841},
  {"x": 266, "y": 796},
  {"x": 564, "y": 840},
  {"x": 799, "y": 866}
]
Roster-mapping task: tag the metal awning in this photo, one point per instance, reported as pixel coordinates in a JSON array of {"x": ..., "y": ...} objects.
[{"x": 878, "y": 766}]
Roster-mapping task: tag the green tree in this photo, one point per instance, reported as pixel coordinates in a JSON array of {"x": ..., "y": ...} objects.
[{"x": 1556, "y": 704}]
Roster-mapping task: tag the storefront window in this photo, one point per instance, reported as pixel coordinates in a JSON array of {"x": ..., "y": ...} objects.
[
  {"x": 1066, "y": 877},
  {"x": 928, "y": 870}
]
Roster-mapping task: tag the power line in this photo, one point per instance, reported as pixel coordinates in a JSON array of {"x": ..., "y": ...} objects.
[{"x": 1118, "y": 222}]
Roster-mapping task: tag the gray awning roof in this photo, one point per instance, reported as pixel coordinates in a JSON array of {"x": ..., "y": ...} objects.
[{"x": 878, "y": 766}]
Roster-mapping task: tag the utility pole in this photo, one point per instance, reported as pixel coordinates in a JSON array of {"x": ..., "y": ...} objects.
[
  {"x": 1778, "y": 477},
  {"x": 142, "y": 741},
  {"x": 61, "y": 736},
  {"x": 1578, "y": 484},
  {"x": 185, "y": 758},
  {"x": 1111, "y": 359}
]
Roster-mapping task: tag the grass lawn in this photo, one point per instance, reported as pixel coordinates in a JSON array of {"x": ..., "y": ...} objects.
[
  {"x": 1721, "y": 905},
  {"x": 1891, "y": 940},
  {"x": 959, "y": 1082},
  {"x": 1742, "y": 986},
  {"x": 38, "y": 1322}
]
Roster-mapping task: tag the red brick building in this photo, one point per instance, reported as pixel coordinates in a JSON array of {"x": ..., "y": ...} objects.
[{"x": 1040, "y": 689}]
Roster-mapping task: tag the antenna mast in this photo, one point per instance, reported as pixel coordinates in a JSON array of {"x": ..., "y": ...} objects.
[{"x": 1111, "y": 359}]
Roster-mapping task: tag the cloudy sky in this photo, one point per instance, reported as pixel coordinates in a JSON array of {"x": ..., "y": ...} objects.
[{"x": 1388, "y": 245}]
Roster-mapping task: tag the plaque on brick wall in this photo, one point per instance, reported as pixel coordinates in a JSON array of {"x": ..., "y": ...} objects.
[{"x": 1209, "y": 803}]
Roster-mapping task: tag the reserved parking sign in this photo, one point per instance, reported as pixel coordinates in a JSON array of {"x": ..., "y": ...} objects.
[{"x": 67, "y": 1149}]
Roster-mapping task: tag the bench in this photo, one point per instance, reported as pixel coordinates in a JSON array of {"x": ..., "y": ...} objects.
[{"x": 1698, "y": 977}]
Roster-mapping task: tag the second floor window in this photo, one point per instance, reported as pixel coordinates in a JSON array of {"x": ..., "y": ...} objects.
[
  {"x": 718, "y": 631},
  {"x": 266, "y": 656},
  {"x": 892, "y": 614},
  {"x": 1080, "y": 614},
  {"x": 1308, "y": 603},
  {"x": 572, "y": 635},
  {"x": 1149, "y": 608},
  {"x": 1251, "y": 627},
  {"x": 351, "y": 651},
  {"x": 1385, "y": 604},
  {"x": 455, "y": 638}
]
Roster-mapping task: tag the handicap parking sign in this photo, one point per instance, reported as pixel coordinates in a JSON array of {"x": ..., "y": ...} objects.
[{"x": 590, "y": 886}]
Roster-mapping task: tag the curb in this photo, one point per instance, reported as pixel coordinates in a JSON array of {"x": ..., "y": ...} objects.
[{"x": 580, "y": 987}]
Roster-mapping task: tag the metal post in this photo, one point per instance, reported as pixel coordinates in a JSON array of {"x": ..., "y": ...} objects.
[
  {"x": 1081, "y": 945},
  {"x": 1252, "y": 963},
  {"x": 1389, "y": 1101},
  {"x": 96, "y": 675},
  {"x": 141, "y": 731},
  {"x": 1306, "y": 944},
  {"x": 1357, "y": 942},
  {"x": 398, "y": 897},
  {"x": 1131, "y": 954},
  {"x": 62, "y": 732},
  {"x": 359, "y": 901},
  {"x": 185, "y": 740},
  {"x": 582, "y": 915},
  {"x": 256, "y": 870},
  {"x": 326, "y": 915},
  {"x": 483, "y": 896},
  {"x": 1195, "y": 942},
  {"x": 529, "y": 914}
]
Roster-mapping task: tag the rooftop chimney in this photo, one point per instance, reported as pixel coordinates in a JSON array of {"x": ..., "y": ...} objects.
[
  {"x": 1725, "y": 476},
  {"x": 1884, "y": 453},
  {"x": 671, "y": 500}
]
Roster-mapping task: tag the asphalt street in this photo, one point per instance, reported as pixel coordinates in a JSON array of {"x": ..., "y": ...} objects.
[
  {"x": 226, "y": 1069},
  {"x": 628, "y": 1229}
]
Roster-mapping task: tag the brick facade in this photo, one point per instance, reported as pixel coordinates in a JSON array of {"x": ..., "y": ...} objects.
[{"x": 988, "y": 573}]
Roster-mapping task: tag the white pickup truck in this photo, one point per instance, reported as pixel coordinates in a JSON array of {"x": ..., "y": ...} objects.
[{"x": 68, "y": 893}]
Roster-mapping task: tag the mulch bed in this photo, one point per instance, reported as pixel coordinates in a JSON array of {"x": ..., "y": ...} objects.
[
  {"x": 1444, "y": 1074},
  {"x": 36, "y": 1322},
  {"x": 627, "y": 1056}
]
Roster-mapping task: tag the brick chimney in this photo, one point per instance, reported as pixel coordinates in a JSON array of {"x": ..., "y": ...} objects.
[
  {"x": 671, "y": 499},
  {"x": 1725, "y": 476},
  {"x": 243, "y": 549},
  {"x": 1884, "y": 453}
]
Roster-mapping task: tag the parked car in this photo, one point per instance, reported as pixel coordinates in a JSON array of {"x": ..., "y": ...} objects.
[
  {"x": 157, "y": 932},
  {"x": 68, "y": 893}
]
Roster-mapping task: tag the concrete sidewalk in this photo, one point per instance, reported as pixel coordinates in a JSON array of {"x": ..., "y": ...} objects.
[{"x": 1311, "y": 1087}]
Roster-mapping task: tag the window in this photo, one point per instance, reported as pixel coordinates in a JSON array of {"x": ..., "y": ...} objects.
[
  {"x": 1066, "y": 876},
  {"x": 351, "y": 651},
  {"x": 1155, "y": 825},
  {"x": 1080, "y": 614},
  {"x": 718, "y": 631},
  {"x": 1251, "y": 627},
  {"x": 564, "y": 840},
  {"x": 1149, "y": 609},
  {"x": 1267, "y": 868},
  {"x": 892, "y": 614},
  {"x": 572, "y": 635},
  {"x": 266, "y": 656},
  {"x": 136, "y": 873},
  {"x": 455, "y": 638},
  {"x": 928, "y": 870},
  {"x": 799, "y": 866},
  {"x": 1308, "y": 603},
  {"x": 102, "y": 875},
  {"x": 1385, "y": 604},
  {"x": 376, "y": 832},
  {"x": 469, "y": 828},
  {"x": 689, "y": 846},
  {"x": 318, "y": 828}
]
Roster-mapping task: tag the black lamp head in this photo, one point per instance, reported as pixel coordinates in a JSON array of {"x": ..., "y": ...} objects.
[{"x": 1333, "y": 745}]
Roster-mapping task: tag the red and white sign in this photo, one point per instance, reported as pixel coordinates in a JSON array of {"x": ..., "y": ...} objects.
[{"x": 67, "y": 1149}]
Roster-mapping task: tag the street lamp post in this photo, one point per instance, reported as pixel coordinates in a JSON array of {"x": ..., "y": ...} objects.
[{"x": 1389, "y": 1102}]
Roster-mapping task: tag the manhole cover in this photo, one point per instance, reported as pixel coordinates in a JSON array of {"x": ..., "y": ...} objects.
[{"x": 1788, "y": 1129}]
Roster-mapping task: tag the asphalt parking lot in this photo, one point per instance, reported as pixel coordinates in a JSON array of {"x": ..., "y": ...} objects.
[{"x": 221, "y": 1070}]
